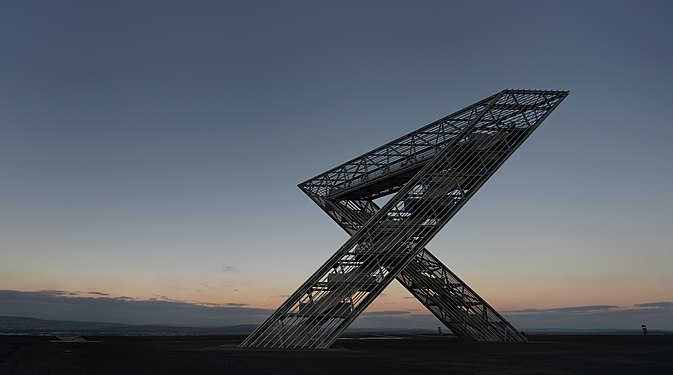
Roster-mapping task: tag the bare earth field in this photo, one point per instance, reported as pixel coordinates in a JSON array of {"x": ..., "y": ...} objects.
[{"x": 412, "y": 354}]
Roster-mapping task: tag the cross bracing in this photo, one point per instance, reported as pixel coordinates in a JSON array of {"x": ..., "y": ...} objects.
[{"x": 432, "y": 172}]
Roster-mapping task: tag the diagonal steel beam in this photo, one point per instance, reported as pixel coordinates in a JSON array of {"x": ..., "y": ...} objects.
[
  {"x": 440, "y": 290},
  {"x": 433, "y": 172}
]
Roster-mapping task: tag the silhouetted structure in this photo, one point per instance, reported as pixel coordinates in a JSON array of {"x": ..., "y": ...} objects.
[{"x": 433, "y": 172}]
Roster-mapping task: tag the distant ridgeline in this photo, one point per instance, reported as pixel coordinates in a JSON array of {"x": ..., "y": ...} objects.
[
  {"x": 13, "y": 325},
  {"x": 23, "y": 325}
]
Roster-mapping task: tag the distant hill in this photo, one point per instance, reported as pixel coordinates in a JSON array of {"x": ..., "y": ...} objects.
[
  {"x": 15, "y": 323},
  {"x": 25, "y": 325}
]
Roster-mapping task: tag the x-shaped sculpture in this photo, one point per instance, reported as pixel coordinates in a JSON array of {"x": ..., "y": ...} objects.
[{"x": 432, "y": 172}]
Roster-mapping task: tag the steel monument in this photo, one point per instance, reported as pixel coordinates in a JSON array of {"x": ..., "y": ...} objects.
[{"x": 432, "y": 172}]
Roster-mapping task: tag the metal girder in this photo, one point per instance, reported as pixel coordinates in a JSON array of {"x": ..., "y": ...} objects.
[
  {"x": 443, "y": 293},
  {"x": 433, "y": 172}
]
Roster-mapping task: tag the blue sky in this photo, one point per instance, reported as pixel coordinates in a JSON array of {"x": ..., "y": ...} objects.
[{"x": 152, "y": 149}]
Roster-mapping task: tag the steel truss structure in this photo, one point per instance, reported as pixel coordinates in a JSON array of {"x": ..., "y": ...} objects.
[{"x": 432, "y": 172}]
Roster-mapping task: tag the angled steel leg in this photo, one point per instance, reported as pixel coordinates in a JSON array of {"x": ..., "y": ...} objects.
[
  {"x": 450, "y": 299},
  {"x": 432, "y": 172}
]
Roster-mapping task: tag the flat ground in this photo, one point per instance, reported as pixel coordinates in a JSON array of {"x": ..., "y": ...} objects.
[{"x": 545, "y": 354}]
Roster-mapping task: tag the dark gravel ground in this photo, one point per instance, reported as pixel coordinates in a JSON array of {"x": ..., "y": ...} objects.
[{"x": 545, "y": 354}]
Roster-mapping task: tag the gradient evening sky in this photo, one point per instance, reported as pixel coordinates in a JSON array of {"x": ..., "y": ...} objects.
[{"x": 151, "y": 149}]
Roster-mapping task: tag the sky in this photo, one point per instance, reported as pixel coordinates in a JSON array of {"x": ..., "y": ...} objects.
[{"x": 150, "y": 152}]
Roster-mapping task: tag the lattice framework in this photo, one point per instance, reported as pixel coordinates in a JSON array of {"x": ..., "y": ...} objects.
[{"x": 432, "y": 172}]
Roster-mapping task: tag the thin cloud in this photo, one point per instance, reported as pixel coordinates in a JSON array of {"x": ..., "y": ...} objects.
[
  {"x": 386, "y": 313},
  {"x": 59, "y": 292},
  {"x": 573, "y": 309},
  {"x": 76, "y": 293},
  {"x": 235, "y": 304},
  {"x": 656, "y": 305}
]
